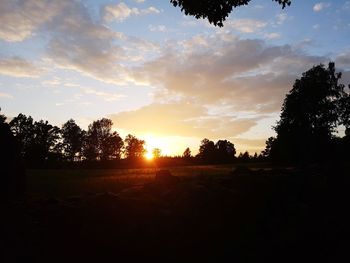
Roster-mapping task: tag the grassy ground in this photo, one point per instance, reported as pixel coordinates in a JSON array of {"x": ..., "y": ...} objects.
[
  {"x": 63, "y": 183},
  {"x": 208, "y": 213}
]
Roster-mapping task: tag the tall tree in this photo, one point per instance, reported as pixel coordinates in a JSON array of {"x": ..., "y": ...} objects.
[
  {"x": 156, "y": 153},
  {"x": 216, "y": 11},
  {"x": 44, "y": 146},
  {"x": 225, "y": 151},
  {"x": 22, "y": 128},
  {"x": 310, "y": 114},
  {"x": 134, "y": 147},
  {"x": 12, "y": 172},
  {"x": 73, "y": 137},
  {"x": 101, "y": 143},
  {"x": 207, "y": 151},
  {"x": 187, "y": 153}
]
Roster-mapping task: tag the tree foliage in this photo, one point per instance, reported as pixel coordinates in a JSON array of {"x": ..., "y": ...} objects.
[
  {"x": 187, "y": 153},
  {"x": 101, "y": 143},
  {"x": 310, "y": 114},
  {"x": 156, "y": 153},
  {"x": 134, "y": 147},
  {"x": 222, "y": 151},
  {"x": 22, "y": 128},
  {"x": 73, "y": 137},
  {"x": 216, "y": 11}
]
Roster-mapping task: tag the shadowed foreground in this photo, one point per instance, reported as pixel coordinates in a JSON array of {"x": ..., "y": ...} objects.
[{"x": 283, "y": 215}]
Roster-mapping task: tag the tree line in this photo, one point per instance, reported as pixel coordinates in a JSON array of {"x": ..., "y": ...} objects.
[{"x": 41, "y": 144}]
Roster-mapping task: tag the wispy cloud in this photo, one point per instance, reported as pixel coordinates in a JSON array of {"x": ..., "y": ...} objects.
[
  {"x": 121, "y": 11},
  {"x": 20, "y": 19},
  {"x": 4, "y": 95},
  {"x": 246, "y": 25},
  {"x": 320, "y": 6},
  {"x": 281, "y": 18},
  {"x": 159, "y": 28},
  {"x": 187, "y": 119},
  {"x": 19, "y": 67},
  {"x": 273, "y": 35},
  {"x": 106, "y": 96}
]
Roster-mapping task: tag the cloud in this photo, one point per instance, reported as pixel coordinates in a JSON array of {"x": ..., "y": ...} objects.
[
  {"x": 245, "y": 25},
  {"x": 106, "y": 96},
  {"x": 180, "y": 119},
  {"x": 346, "y": 5},
  {"x": 75, "y": 40},
  {"x": 20, "y": 19},
  {"x": 159, "y": 28},
  {"x": 81, "y": 44},
  {"x": 121, "y": 11},
  {"x": 320, "y": 6},
  {"x": 18, "y": 67},
  {"x": 4, "y": 95},
  {"x": 343, "y": 60},
  {"x": 273, "y": 35},
  {"x": 222, "y": 71},
  {"x": 281, "y": 18}
]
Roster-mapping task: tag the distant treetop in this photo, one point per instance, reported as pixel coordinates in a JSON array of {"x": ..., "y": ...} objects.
[{"x": 216, "y": 11}]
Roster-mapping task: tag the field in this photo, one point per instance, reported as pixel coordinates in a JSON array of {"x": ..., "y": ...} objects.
[{"x": 214, "y": 213}]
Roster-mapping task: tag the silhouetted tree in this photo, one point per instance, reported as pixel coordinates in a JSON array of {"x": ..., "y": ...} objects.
[
  {"x": 310, "y": 114},
  {"x": 2, "y": 118},
  {"x": 134, "y": 147},
  {"x": 344, "y": 111},
  {"x": 269, "y": 145},
  {"x": 39, "y": 141},
  {"x": 45, "y": 144},
  {"x": 187, "y": 153},
  {"x": 156, "y": 152},
  {"x": 73, "y": 137},
  {"x": 225, "y": 151},
  {"x": 244, "y": 157},
  {"x": 207, "y": 151},
  {"x": 112, "y": 147},
  {"x": 12, "y": 171},
  {"x": 101, "y": 143},
  {"x": 216, "y": 11},
  {"x": 23, "y": 129}
]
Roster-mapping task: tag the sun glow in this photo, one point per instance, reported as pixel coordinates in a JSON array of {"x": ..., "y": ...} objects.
[
  {"x": 149, "y": 155},
  {"x": 168, "y": 145}
]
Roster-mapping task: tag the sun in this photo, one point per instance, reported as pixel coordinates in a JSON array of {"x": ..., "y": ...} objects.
[{"x": 149, "y": 156}]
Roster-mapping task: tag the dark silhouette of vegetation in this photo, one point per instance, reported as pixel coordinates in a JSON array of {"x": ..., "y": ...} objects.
[
  {"x": 38, "y": 140},
  {"x": 216, "y": 11},
  {"x": 22, "y": 128},
  {"x": 73, "y": 138},
  {"x": 310, "y": 115},
  {"x": 187, "y": 153},
  {"x": 156, "y": 153},
  {"x": 222, "y": 151},
  {"x": 12, "y": 170},
  {"x": 134, "y": 147},
  {"x": 101, "y": 143}
]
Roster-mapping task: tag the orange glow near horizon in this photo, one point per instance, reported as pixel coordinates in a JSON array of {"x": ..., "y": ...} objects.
[
  {"x": 149, "y": 156},
  {"x": 169, "y": 145}
]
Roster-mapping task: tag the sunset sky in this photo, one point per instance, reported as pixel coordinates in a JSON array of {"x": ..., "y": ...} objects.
[{"x": 167, "y": 78}]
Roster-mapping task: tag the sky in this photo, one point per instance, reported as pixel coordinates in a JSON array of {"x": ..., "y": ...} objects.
[{"x": 165, "y": 77}]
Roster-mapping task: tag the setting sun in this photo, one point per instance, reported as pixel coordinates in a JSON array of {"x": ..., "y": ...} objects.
[{"x": 149, "y": 156}]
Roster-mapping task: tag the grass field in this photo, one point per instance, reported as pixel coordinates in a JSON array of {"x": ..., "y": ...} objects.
[
  {"x": 216, "y": 213},
  {"x": 63, "y": 183}
]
